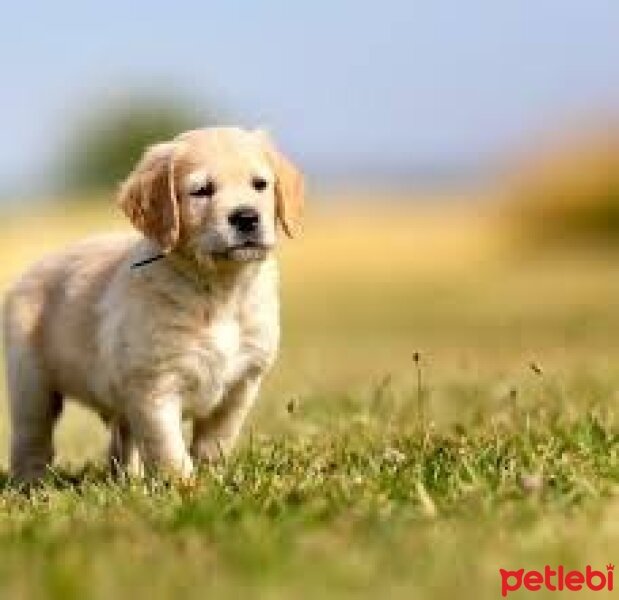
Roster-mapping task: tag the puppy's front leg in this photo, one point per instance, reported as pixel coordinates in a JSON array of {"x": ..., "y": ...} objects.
[
  {"x": 158, "y": 431},
  {"x": 214, "y": 436}
]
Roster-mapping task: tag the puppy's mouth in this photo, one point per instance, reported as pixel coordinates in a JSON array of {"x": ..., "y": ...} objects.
[{"x": 246, "y": 252}]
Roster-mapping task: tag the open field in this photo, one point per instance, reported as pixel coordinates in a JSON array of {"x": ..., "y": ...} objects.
[{"x": 363, "y": 472}]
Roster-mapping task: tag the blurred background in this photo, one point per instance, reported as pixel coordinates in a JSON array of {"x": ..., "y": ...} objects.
[{"x": 462, "y": 162}]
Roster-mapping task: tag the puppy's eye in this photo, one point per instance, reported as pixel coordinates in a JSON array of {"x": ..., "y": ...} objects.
[
  {"x": 206, "y": 191},
  {"x": 259, "y": 183}
]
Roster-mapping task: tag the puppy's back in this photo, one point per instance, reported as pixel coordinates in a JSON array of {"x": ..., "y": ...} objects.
[{"x": 51, "y": 310}]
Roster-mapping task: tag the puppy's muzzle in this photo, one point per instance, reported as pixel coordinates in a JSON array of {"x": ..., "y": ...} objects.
[
  {"x": 248, "y": 245},
  {"x": 245, "y": 221}
]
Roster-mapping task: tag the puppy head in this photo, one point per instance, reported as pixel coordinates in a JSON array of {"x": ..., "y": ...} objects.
[{"x": 215, "y": 194}]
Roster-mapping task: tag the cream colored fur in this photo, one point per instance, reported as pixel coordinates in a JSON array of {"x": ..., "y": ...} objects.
[{"x": 190, "y": 335}]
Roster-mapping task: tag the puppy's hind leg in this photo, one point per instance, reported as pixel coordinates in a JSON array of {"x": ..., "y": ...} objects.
[
  {"x": 124, "y": 453},
  {"x": 34, "y": 409}
]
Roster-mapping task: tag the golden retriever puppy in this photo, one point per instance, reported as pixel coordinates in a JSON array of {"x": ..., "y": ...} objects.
[{"x": 182, "y": 320}]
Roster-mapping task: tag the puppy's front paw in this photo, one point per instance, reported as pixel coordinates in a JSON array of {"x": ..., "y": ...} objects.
[{"x": 209, "y": 451}]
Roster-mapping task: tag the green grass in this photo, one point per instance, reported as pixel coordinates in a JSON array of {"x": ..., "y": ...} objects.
[
  {"x": 367, "y": 498},
  {"x": 363, "y": 473}
]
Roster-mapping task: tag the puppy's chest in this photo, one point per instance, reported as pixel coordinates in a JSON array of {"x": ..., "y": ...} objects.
[{"x": 222, "y": 353}]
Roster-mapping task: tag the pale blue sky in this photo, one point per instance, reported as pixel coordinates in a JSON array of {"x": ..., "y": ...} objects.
[{"x": 346, "y": 84}]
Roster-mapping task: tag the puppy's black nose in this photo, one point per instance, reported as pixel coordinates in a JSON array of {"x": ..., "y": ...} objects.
[{"x": 244, "y": 219}]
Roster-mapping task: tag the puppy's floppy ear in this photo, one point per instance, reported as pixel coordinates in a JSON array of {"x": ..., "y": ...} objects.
[
  {"x": 289, "y": 187},
  {"x": 148, "y": 196}
]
